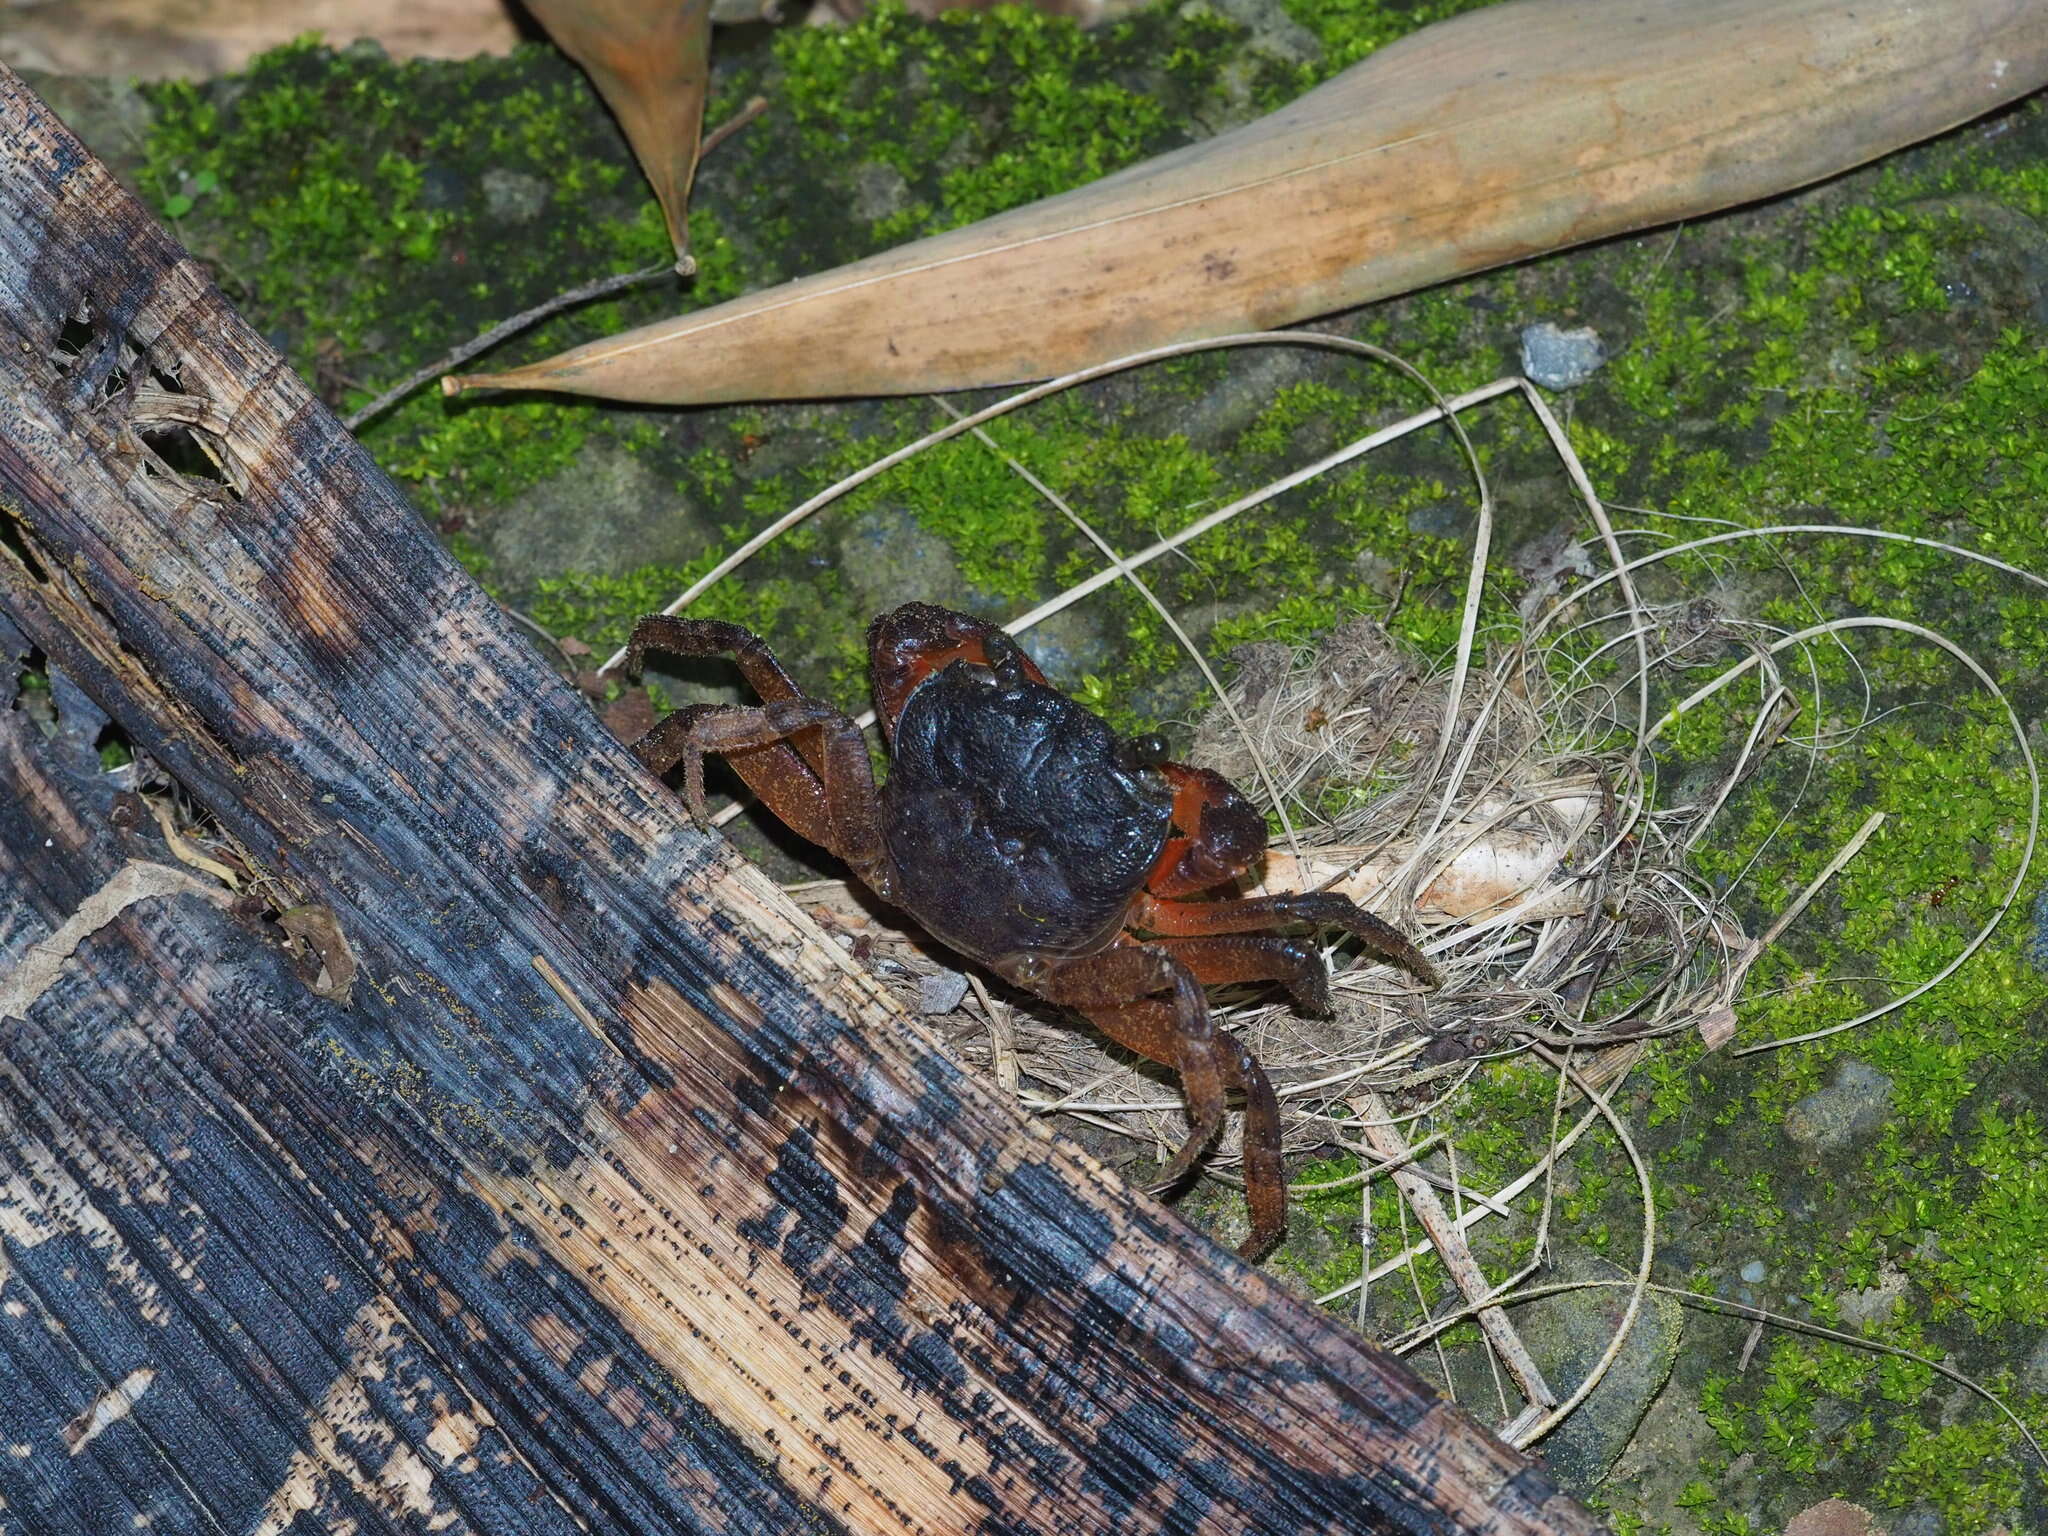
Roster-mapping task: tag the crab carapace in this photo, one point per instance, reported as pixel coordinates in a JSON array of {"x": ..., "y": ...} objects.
[{"x": 1016, "y": 827}]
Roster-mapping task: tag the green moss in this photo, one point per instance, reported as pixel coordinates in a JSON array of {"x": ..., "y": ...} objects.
[
  {"x": 1827, "y": 375},
  {"x": 601, "y": 610},
  {"x": 1993, "y": 1261},
  {"x": 322, "y": 230},
  {"x": 469, "y": 455},
  {"x": 1349, "y": 31},
  {"x": 898, "y": 92},
  {"x": 1332, "y": 1256},
  {"x": 893, "y": 91},
  {"x": 1294, "y": 407},
  {"x": 342, "y": 213},
  {"x": 995, "y": 522},
  {"x": 1969, "y": 1471},
  {"x": 1338, "y": 1257},
  {"x": 1297, "y": 619},
  {"x": 340, "y": 196}
]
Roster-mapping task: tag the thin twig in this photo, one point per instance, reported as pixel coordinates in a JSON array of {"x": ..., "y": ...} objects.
[
  {"x": 597, "y": 288},
  {"x": 1435, "y": 413},
  {"x": 1002, "y": 1036},
  {"x": 755, "y": 106},
  {"x": 1479, "y": 1212},
  {"x": 1814, "y": 1330},
  {"x": 1990, "y": 686}
]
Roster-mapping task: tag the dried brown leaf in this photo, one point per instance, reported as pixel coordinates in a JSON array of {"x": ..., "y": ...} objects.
[
  {"x": 1498, "y": 134},
  {"x": 330, "y": 970},
  {"x": 651, "y": 61}
]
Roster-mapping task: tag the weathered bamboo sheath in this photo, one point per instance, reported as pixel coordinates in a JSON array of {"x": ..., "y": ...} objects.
[
  {"x": 613, "y": 1198},
  {"x": 1510, "y": 131}
]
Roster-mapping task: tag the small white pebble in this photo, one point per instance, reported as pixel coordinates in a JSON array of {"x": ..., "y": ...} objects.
[{"x": 1561, "y": 359}]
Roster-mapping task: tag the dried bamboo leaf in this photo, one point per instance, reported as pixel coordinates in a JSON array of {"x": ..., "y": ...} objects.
[
  {"x": 1519, "y": 129},
  {"x": 651, "y": 61}
]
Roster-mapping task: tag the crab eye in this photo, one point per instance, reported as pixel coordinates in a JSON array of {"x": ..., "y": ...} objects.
[
  {"x": 1005, "y": 659},
  {"x": 1145, "y": 751}
]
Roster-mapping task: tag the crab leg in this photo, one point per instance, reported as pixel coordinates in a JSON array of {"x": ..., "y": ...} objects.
[
  {"x": 1150, "y": 1028},
  {"x": 755, "y": 739},
  {"x": 806, "y": 760},
  {"x": 1115, "y": 979},
  {"x": 1224, "y": 958},
  {"x": 1247, "y": 914},
  {"x": 715, "y": 637}
]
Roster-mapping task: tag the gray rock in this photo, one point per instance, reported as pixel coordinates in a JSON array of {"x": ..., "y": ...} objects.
[
  {"x": 1876, "y": 1303},
  {"x": 1567, "y": 1333},
  {"x": 2006, "y": 267},
  {"x": 514, "y": 197},
  {"x": 887, "y": 557},
  {"x": 1559, "y": 359},
  {"x": 2037, "y": 937},
  {"x": 1848, "y": 1110},
  {"x": 1067, "y": 645},
  {"x": 1376, "y": 571},
  {"x": 878, "y": 191},
  {"x": 1203, "y": 618},
  {"x": 1667, "y": 1449},
  {"x": 1243, "y": 394},
  {"x": 607, "y": 514},
  {"x": 1272, "y": 29},
  {"x": 2034, "y": 1374},
  {"x": 1446, "y": 518},
  {"x": 1754, "y": 1271}
]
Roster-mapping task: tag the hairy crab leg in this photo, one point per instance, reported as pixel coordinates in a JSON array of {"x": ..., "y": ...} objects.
[
  {"x": 1133, "y": 972},
  {"x": 779, "y": 777},
  {"x": 1219, "y": 959},
  {"x": 806, "y": 760}
]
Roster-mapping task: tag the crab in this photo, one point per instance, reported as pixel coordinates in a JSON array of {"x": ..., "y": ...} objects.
[{"x": 1018, "y": 829}]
